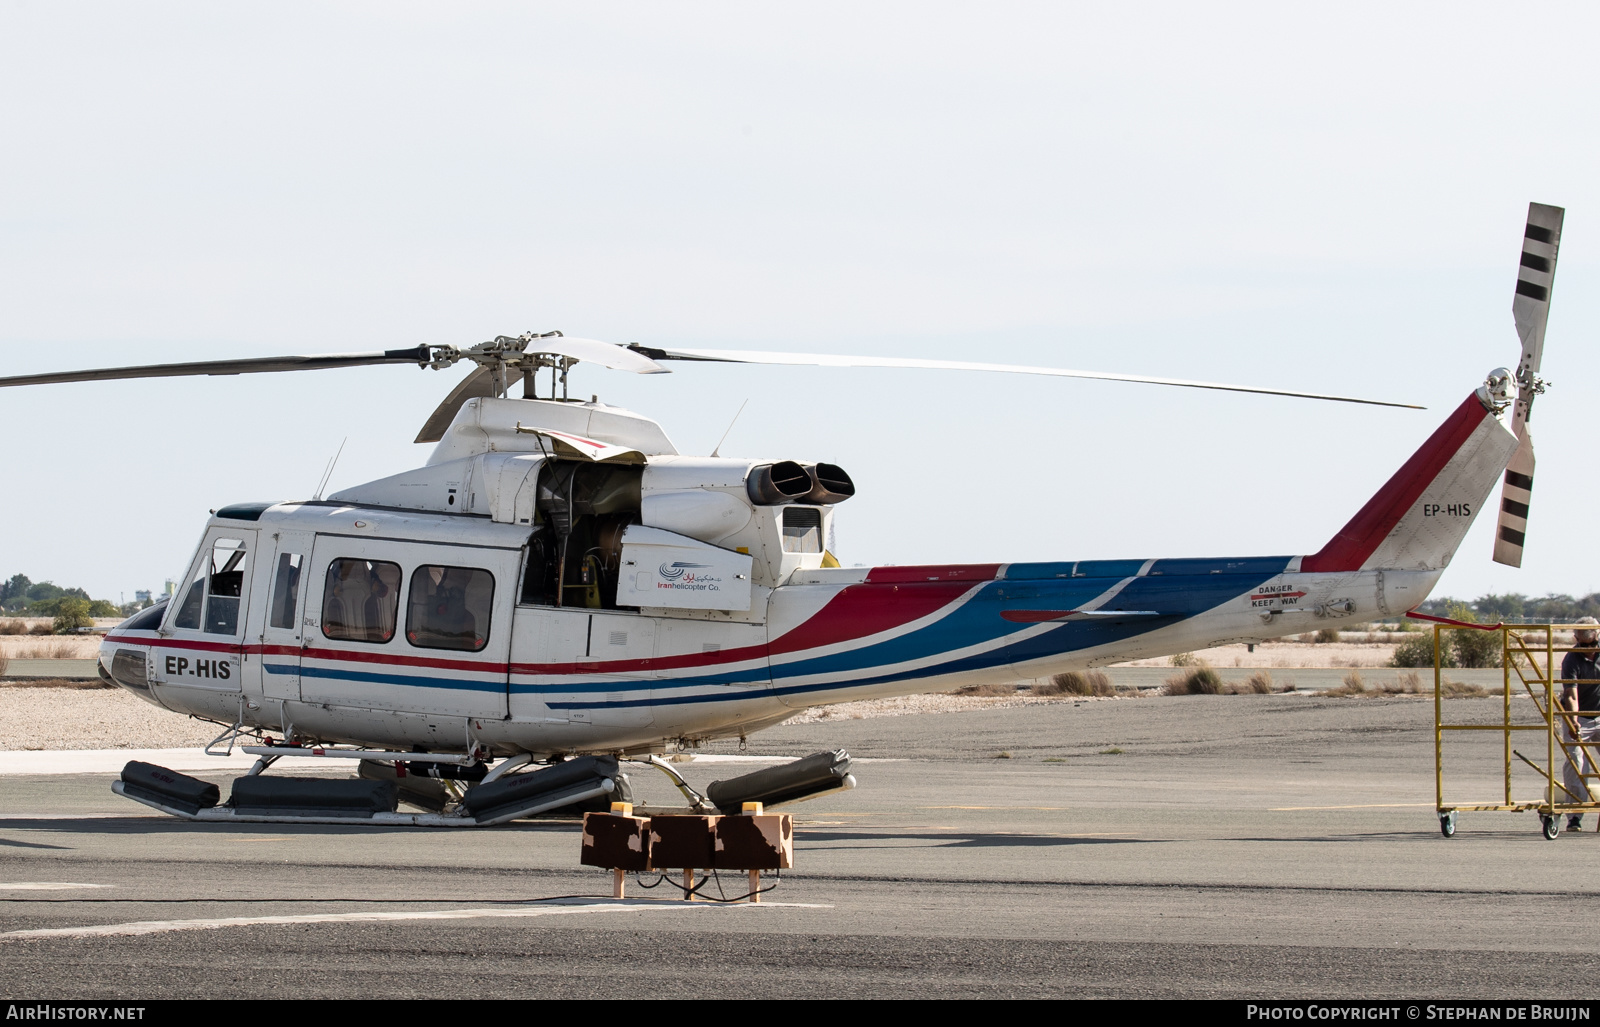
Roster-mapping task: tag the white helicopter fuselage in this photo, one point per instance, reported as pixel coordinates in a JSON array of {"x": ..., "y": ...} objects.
[{"x": 558, "y": 580}]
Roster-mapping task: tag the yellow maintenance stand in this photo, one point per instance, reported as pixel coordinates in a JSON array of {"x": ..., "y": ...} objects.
[{"x": 1531, "y": 661}]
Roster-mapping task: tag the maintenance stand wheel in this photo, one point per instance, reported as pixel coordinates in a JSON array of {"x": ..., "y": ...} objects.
[
  {"x": 1552, "y": 826},
  {"x": 1447, "y": 824}
]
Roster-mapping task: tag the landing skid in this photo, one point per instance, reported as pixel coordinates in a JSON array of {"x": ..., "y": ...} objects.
[
  {"x": 228, "y": 815},
  {"x": 372, "y": 799}
]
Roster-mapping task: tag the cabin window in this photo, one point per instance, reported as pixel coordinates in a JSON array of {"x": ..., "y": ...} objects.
[
  {"x": 360, "y": 599},
  {"x": 802, "y": 529},
  {"x": 285, "y": 589},
  {"x": 449, "y": 608}
]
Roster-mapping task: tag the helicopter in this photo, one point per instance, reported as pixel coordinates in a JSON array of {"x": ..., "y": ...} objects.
[{"x": 558, "y": 594}]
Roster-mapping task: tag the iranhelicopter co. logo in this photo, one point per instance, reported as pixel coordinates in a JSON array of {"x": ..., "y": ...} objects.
[{"x": 683, "y": 576}]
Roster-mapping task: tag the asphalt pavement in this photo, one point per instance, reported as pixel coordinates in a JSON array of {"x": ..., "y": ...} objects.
[{"x": 1206, "y": 846}]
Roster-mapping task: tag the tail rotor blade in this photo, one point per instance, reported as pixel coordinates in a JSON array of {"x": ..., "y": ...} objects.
[
  {"x": 1515, "y": 495},
  {"x": 1530, "y": 305}
]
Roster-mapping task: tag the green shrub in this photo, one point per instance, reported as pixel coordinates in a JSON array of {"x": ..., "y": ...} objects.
[
  {"x": 1418, "y": 652},
  {"x": 1476, "y": 648},
  {"x": 72, "y": 613}
]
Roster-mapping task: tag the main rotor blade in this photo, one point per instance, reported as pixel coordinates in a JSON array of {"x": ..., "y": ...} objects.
[
  {"x": 729, "y": 356},
  {"x": 479, "y": 383},
  {"x": 606, "y": 354},
  {"x": 253, "y": 365}
]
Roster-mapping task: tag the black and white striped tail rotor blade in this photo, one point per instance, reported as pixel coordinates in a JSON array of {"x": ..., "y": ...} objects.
[
  {"x": 1530, "y": 308},
  {"x": 1530, "y": 304},
  {"x": 1515, "y": 495}
]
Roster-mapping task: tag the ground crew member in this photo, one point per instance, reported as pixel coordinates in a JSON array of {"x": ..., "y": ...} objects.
[{"x": 1580, "y": 690}]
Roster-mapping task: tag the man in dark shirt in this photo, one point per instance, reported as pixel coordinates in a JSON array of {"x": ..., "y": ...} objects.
[{"x": 1580, "y": 690}]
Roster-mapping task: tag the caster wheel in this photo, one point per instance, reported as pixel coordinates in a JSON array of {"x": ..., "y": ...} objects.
[
  {"x": 1447, "y": 824},
  {"x": 1552, "y": 827}
]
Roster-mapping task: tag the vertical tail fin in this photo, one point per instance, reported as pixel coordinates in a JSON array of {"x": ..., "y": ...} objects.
[{"x": 1419, "y": 517}]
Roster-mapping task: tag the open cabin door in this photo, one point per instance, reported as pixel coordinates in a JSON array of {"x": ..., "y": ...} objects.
[{"x": 276, "y": 631}]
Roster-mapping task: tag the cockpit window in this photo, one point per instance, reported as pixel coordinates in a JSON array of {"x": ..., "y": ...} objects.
[
  {"x": 214, "y": 596},
  {"x": 449, "y": 608},
  {"x": 193, "y": 600},
  {"x": 360, "y": 599},
  {"x": 226, "y": 586},
  {"x": 802, "y": 529}
]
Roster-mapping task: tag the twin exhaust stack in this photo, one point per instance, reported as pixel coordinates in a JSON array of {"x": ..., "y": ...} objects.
[{"x": 789, "y": 482}]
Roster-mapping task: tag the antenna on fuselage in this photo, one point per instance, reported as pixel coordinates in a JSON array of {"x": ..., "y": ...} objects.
[
  {"x": 328, "y": 472},
  {"x": 716, "y": 449}
]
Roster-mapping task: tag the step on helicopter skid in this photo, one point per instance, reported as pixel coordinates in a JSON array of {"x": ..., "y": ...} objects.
[{"x": 558, "y": 585}]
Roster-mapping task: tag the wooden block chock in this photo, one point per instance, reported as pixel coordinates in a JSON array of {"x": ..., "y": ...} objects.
[
  {"x": 616, "y": 841},
  {"x": 759, "y": 841}
]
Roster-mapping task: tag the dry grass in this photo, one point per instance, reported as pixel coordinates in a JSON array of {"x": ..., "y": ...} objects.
[
  {"x": 1259, "y": 683},
  {"x": 13, "y": 626},
  {"x": 1201, "y": 680},
  {"x": 4, "y": 661},
  {"x": 80, "y": 684},
  {"x": 1080, "y": 683},
  {"x": 989, "y": 689},
  {"x": 1406, "y": 684},
  {"x": 1185, "y": 660},
  {"x": 48, "y": 651}
]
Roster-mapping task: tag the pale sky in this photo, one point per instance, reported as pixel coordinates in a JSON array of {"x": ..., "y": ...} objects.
[{"x": 1312, "y": 197}]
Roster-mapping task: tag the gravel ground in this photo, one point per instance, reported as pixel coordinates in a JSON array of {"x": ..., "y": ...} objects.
[
  {"x": 1275, "y": 655},
  {"x": 92, "y": 718}
]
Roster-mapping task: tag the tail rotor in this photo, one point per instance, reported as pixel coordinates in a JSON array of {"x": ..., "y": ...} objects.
[{"x": 1530, "y": 308}]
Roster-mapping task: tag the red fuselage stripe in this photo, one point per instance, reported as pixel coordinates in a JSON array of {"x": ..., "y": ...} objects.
[
  {"x": 1356, "y": 541},
  {"x": 856, "y": 612}
]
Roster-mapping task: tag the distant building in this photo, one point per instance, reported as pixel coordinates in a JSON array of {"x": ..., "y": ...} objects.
[
  {"x": 169, "y": 588},
  {"x": 142, "y": 596}
]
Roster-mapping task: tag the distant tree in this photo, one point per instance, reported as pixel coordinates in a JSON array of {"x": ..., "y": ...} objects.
[
  {"x": 14, "y": 592},
  {"x": 1493, "y": 608},
  {"x": 45, "y": 591},
  {"x": 72, "y": 613},
  {"x": 103, "y": 608}
]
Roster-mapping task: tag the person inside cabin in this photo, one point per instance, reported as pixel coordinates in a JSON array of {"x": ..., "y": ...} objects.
[
  {"x": 355, "y": 609},
  {"x": 1580, "y": 690},
  {"x": 440, "y": 617},
  {"x": 377, "y": 614}
]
